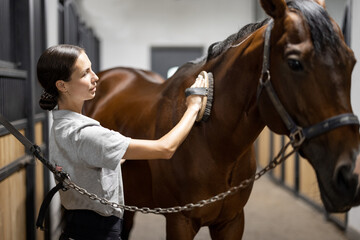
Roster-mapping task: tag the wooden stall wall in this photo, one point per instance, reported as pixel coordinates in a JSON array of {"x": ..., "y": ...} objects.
[
  {"x": 13, "y": 191},
  {"x": 41, "y": 172},
  {"x": 295, "y": 174},
  {"x": 22, "y": 181}
]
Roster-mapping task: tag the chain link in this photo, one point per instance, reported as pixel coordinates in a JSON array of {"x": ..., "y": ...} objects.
[{"x": 282, "y": 156}]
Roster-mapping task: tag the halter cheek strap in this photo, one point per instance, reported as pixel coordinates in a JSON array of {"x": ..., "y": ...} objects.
[{"x": 297, "y": 134}]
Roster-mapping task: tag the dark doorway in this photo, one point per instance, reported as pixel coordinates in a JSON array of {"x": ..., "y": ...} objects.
[{"x": 165, "y": 58}]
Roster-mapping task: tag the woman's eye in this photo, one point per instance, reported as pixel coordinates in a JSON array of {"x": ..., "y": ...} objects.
[{"x": 295, "y": 65}]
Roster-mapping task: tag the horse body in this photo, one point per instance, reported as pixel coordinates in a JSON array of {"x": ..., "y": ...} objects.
[
  {"x": 219, "y": 154},
  {"x": 201, "y": 168}
]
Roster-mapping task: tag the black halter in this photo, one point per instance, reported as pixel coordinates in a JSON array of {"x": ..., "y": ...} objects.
[{"x": 297, "y": 134}]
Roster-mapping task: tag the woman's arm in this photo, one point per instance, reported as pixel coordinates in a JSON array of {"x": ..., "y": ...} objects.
[{"x": 165, "y": 147}]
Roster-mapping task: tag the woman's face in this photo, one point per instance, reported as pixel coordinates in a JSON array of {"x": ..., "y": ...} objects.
[{"x": 82, "y": 84}]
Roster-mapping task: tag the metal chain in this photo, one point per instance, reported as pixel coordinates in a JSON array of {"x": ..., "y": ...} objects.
[{"x": 190, "y": 206}]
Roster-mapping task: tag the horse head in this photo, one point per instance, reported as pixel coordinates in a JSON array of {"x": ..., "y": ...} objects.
[{"x": 310, "y": 67}]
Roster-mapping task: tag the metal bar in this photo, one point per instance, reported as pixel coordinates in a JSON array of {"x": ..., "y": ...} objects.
[
  {"x": 297, "y": 173},
  {"x": 18, "y": 124},
  {"x": 19, "y": 164},
  {"x": 13, "y": 73},
  {"x": 340, "y": 224},
  {"x": 22, "y": 123},
  {"x": 6, "y": 64},
  {"x": 40, "y": 117},
  {"x": 283, "y": 172},
  {"x": 14, "y": 167},
  {"x": 47, "y": 174},
  {"x": 44, "y": 117},
  {"x": 271, "y": 135},
  {"x": 28, "y": 144},
  {"x": 24, "y": 30},
  {"x": 30, "y": 133}
]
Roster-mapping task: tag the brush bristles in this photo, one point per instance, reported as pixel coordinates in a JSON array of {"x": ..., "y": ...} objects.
[{"x": 210, "y": 97}]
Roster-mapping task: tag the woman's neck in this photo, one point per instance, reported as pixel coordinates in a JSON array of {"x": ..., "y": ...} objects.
[{"x": 65, "y": 104}]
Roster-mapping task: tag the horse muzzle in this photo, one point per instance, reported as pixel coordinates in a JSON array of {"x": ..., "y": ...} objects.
[{"x": 345, "y": 189}]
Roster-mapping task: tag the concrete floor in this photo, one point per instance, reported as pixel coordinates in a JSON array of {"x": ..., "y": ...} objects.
[{"x": 281, "y": 216}]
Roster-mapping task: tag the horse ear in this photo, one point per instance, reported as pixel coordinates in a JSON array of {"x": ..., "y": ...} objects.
[
  {"x": 274, "y": 8},
  {"x": 321, "y": 3}
]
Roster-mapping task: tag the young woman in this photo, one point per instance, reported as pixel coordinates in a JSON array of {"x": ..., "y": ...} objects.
[{"x": 90, "y": 153}]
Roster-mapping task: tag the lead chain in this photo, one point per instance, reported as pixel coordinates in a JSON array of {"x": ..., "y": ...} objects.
[{"x": 190, "y": 206}]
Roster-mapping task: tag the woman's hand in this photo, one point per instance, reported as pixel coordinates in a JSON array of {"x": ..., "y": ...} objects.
[{"x": 194, "y": 101}]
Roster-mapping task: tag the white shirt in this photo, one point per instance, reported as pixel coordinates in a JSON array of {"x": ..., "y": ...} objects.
[{"x": 91, "y": 155}]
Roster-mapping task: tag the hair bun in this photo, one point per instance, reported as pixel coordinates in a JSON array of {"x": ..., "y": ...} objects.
[{"x": 47, "y": 101}]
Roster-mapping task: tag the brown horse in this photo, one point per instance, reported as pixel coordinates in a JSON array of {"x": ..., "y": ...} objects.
[{"x": 310, "y": 67}]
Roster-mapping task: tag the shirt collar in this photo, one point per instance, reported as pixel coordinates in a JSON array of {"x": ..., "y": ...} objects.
[{"x": 61, "y": 114}]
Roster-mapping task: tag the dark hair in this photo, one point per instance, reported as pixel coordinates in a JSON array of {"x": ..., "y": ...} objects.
[{"x": 56, "y": 63}]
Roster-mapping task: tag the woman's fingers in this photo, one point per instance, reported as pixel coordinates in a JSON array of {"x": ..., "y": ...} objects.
[{"x": 199, "y": 82}]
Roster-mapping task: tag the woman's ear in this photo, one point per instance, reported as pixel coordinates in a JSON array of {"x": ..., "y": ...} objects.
[{"x": 60, "y": 85}]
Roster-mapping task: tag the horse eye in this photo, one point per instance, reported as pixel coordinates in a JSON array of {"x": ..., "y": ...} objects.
[{"x": 295, "y": 65}]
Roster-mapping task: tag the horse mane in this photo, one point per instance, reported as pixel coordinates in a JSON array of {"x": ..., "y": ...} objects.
[
  {"x": 217, "y": 48},
  {"x": 321, "y": 28}
]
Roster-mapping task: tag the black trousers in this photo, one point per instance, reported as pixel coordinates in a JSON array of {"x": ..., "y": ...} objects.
[{"x": 88, "y": 225}]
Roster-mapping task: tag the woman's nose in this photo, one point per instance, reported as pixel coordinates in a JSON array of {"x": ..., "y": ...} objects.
[{"x": 95, "y": 77}]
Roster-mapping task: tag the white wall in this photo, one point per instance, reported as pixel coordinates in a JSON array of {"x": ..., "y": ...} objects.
[
  {"x": 355, "y": 97},
  {"x": 354, "y": 215},
  {"x": 129, "y": 28},
  {"x": 51, "y": 10}
]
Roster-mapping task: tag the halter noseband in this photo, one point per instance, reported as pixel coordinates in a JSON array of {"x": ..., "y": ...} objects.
[{"x": 297, "y": 134}]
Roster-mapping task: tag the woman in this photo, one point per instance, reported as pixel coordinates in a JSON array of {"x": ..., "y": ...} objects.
[{"x": 90, "y": 153}]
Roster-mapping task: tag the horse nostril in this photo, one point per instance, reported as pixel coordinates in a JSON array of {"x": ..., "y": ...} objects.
[{"x": 345, "y": 180}]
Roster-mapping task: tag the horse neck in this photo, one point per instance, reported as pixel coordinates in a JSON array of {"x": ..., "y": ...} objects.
[{"x": 237, "y": 73}]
